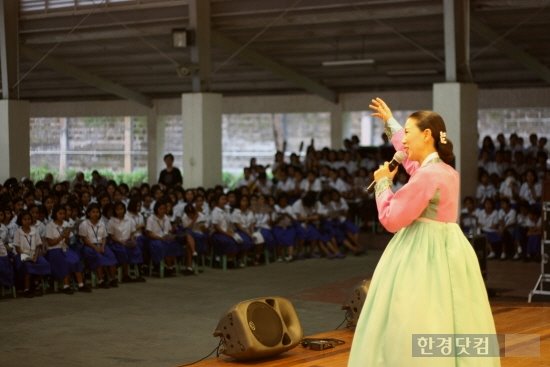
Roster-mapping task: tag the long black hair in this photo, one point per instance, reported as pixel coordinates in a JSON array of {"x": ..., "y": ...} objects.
[{"x": 433, "y": 121}]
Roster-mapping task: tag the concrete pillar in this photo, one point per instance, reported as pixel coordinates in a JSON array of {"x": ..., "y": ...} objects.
[
  {"x": 202, "y": 139},
  {"x": 155, "y": 146},
  {"x": 127, "y": 144},
  {"x": 336, "y": 127},
  {"x": 457, "y": 104},
  {"x": 63, "y": 144},
  {"x": 14, "y": 139}
]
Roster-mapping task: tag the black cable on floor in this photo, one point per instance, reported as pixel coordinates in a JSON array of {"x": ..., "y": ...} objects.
[{"x": 203, "y": 358}]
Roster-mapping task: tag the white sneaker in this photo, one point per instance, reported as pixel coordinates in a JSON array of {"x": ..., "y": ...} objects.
[
  {"x": 491, "y": 255},
  {"x": 516, "y": 256},
  {"x": 519, "y": 250},
  {"x": 279, "y": 259},
  {"x": 503, "y": 256}
]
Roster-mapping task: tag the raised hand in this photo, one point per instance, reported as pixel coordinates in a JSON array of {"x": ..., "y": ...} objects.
[{"x": 381, "y": 109}]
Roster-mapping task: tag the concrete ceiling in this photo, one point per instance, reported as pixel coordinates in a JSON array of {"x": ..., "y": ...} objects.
[{"x": 270, "y": 46}]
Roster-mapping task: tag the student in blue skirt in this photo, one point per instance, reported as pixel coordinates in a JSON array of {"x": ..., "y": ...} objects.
[
  {"x": 6, "y": 266},
  {"x": 162, "y": 239},
  {"x": 224, "y": 237},
  {"x": 62, "y": 259},
  {"x": 284, "y": 229},
  {"x": 243, "y": 222},
  {"x": 97, "y": 254},
  {"x": 28, "y": 262},
  {"x": 121, "y": 229}
]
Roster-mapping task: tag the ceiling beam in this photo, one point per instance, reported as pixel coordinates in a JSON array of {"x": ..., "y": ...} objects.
[
  {"x": 456, "y": 18},
  {"x": 86, "y": 77},
  {"x": 199, "y": 21},
  {"x": 276, "y": 68},
  {"x": 511, "y": 50},
  {"x": 9, "y": 19}
]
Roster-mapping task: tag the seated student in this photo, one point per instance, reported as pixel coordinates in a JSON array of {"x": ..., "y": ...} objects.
[
  {"x": 534, "y": 234},
  {"x": 263, "y": 212},
  {"x": 243, "y": 222},
  {"x": 63, "y": 260},
  {"x": 195, "y": 224},
  {"x": 488, "y": 221},
  {"x": 520, "y": 233},
  {"x": 121, "y": 229},
  {"x": 97, "y": 254},
  {"x": 163, "y": 244},
  {"x": 327, "y": 243},
  {"x": 284, "y": 229},
  {"x": 485, "y": 190},
  {"x": 307, "y": 231},
  {"x": 134, "y": 213},
  {"x": 531, "y": 190},
  {"x": 224, "y": 237},
  {"x": 468, "y": 217},
  {"x": 347, "y": 232},
  {"x": 29, "y": 263},
  {"x": 507, "y": 226},
  {"x": 6, "y": 266}
]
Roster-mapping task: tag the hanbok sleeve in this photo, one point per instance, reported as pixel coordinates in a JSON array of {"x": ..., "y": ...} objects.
[{"x": 399, "y": 209}]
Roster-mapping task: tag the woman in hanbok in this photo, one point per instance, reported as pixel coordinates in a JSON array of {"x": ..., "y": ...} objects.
[{"x": 426, "y": 298}]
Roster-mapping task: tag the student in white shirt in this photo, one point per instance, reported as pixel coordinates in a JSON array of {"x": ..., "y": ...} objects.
[
  {"x": 223, "y": 236},
  {"x": 507, "y": 226},
  {"x": 63, "y": 260},
  {"x": 534, "y": 234},
  {"x": 97, "y": 254},
  {"x": 485, "y": 190},
  {"x": 488, "y": 221},
  {"x": 243, "y": 222},
  {"x": 284, "y": 229},
  {"x": 6, "y": 267},
  {"x": 29, "y": 263},
  {"x": 121, "y": 229},
  {"x": 163, "y": 243},
  {"x": 531, "y": 190}
]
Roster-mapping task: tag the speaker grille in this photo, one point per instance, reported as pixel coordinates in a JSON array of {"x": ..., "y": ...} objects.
[{"x": 265, "y": 323}]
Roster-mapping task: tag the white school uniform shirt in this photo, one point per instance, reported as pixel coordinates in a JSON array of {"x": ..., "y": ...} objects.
[
  {"x": 339, "y": 206},
  {"x": 122, "y": 229},
  {"x": 339, "y": 185},
  {"x": 522, "y": 220},
  {"x": 159, "y": 227},
  {"x": 507, "y": 218},
  {"x": 177, "y": 210},
  {"x": 532, "y": 224},
  {"x": 221, "y": 218},
  {"x": 244, "y": 182},
  {"x": 262, "y": 220},
  {"x": 300, "y": 211},
  {"x": 41, "y": 228},
  {"x": 28, "y": 243},
  {"x": 483, "y": 192},
  {"x": 311, "y": 186},
  {"x": 506, "y": 188},
  {"x": 323, "y": 210},
  {"x": 525, "y": 192},
  {"x": 54, "y": 231},
  {"x": 3, "y": 237},
  {"x": 137, "y": 218},
  {"x": 487, "y": 221},
  {"x": 244, "y": 219},
  {"x": 265, "y": 189},
  {"x": 202, "y": 220},
  {"x": 286, "y": 186},
  {"x": 93, "y": 233},
  {"x": 351, "y": 167}
]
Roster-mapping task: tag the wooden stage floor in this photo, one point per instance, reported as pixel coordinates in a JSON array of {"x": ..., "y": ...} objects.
[{"x": 509, "y": 319}]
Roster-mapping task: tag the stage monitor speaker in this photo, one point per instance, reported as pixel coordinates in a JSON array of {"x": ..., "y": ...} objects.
[
  {"x": 354, "y": 304},
  {"x": 259, "y": 328}
]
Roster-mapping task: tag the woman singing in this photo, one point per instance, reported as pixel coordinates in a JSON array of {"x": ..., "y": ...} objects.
[{"x": 428, "y": 279}]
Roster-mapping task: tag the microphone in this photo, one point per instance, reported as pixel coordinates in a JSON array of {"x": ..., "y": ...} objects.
[{"x": 397, "y": 159}]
